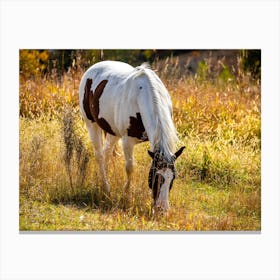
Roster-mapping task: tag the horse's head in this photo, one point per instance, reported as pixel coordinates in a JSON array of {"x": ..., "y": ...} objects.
[{"x": 161, "y": 176}]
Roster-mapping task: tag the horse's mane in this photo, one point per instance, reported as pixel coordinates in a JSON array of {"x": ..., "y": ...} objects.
[{"x": 165, "y": 136}]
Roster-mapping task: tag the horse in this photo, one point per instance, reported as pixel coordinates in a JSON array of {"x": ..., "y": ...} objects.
[{"x": 131, "y": 104}]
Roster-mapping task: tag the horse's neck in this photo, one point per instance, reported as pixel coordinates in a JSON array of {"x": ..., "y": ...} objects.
[
  {"x": 155, "y": 109},
  {"x": 159, "y": 138},
  {"x": 149, "y": 118}
]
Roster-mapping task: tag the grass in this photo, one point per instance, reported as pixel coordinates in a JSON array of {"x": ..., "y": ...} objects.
[{"x": 218, "y": 185}]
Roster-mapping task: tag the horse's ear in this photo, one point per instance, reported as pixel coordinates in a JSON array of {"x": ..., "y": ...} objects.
[
  {"x": 179, "y": 152},
  {"x": 151, "y": 154}
]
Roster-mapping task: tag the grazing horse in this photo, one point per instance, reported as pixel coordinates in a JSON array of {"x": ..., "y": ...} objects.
[{"x": 134, "y": 105}]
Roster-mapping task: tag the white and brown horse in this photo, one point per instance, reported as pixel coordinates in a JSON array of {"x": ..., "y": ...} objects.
[{"x": 134, "y": 105}]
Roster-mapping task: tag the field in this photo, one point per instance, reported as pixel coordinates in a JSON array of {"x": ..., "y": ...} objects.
[{"x": 218, "y": 186}]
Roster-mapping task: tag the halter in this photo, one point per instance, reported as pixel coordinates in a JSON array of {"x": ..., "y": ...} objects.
[{"x": 161, "y": 163}]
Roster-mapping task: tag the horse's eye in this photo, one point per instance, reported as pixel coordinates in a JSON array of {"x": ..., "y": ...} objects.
[{"x": 140, "y": 87}]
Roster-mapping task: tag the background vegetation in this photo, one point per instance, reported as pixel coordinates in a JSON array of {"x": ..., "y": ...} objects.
[{"x": 217, "y": 115}]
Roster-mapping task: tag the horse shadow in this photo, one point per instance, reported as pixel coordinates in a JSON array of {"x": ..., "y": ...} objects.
[{"x": 91, "y": 199}]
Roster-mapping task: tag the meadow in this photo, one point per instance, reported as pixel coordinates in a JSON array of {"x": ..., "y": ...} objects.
[{"x": 218, "y": 185}]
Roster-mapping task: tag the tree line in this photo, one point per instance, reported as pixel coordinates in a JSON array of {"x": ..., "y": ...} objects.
[{"x": 44, "y": 62}]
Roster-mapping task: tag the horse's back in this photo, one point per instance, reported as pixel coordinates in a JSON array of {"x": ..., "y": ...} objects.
[{"x": 112, "y": 68}]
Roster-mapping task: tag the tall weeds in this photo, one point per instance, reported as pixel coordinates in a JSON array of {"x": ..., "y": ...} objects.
[{"x": 76, "y": 156}]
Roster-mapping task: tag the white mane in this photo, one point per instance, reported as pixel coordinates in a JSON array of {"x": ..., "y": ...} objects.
[{"x": 165, "y": 135}]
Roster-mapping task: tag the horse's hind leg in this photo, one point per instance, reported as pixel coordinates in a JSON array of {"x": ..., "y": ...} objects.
[
  {"x": 95, "y": 134},
  {"x": 109, "y": 146}
]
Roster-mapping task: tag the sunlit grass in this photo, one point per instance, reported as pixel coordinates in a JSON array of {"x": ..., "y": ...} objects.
[{"x": 218, "y": 185}]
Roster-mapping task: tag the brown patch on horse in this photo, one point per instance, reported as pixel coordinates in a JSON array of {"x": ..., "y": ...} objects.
[
  {"x": 96, "y": 96},
  {"x": 91, "y": 105},
  {"x": 88, "y": 100},
  {"x": 136, "y": 128}
]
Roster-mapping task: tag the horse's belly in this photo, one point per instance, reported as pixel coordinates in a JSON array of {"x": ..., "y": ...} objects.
[
  {"x": 123, "y": 116},
  {"x": 115, "y": 117},
  {"x": 108, "y": 122}
]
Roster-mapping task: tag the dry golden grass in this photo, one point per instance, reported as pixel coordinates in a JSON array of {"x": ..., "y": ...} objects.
[{"x": 219, "y": 181}]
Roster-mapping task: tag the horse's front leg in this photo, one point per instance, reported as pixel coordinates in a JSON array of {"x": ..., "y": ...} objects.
[{"x": 128, "y": 144}]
